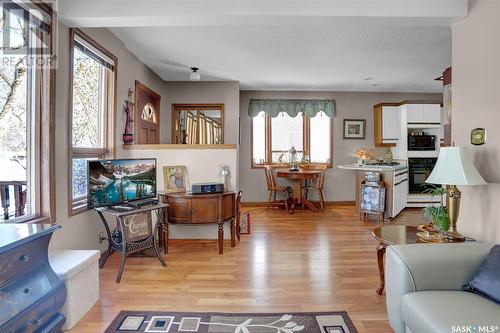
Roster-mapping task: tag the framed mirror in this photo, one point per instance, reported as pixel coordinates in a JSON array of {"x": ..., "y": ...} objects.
[{"x": 198, "y": 124}]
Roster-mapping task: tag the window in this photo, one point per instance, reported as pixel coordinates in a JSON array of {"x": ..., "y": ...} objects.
[
  {"x": 25, "y": 112},
  {"x": 92, "y": 94},
  {"x": 272, "y": 138}
]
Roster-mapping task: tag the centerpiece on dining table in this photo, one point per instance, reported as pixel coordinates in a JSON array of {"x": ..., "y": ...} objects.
[{"x": 293, "y": 159}]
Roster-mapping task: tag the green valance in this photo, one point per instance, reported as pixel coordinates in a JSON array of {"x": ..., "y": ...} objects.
[{"x": 309, "y": 107}]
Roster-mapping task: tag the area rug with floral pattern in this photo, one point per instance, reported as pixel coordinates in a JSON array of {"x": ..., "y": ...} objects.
[{"x": 208, "y": 322}]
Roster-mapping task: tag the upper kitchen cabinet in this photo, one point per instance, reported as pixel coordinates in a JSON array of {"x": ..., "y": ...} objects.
[
  {"x": 387, "y": 124},
  {"x": 423, "y": 113}
]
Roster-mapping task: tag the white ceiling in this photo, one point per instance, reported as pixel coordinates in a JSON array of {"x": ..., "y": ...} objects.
[{"x": 285, "y": 45}]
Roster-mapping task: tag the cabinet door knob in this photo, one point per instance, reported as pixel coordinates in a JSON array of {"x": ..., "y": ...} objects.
[
  {"x": 34, "y": 322},
  {"x": 24, "y": 258},
  {"x": 27, "y": 290}
]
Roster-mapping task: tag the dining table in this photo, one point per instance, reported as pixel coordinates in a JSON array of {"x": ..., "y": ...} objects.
[{"x": 298, "y": 176}]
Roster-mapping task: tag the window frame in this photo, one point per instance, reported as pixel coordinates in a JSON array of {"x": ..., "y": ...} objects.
[
  {"x": 195, "y": 120},
  {"x": 108, "y": 150},
  {"x": 40, "y": 122},
  {"x": 306, "y": 140}
]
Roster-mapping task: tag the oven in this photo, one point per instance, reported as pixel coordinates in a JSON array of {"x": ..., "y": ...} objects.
[
  {"x": 421, "y": 142},
  {"x": 419, "y": 170}
]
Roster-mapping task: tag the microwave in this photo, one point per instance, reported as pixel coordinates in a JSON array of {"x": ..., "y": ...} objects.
[{"x": 421, "y": 142}]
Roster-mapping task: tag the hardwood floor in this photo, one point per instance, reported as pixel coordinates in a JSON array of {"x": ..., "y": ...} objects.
[{"x": 302, "y": 262}]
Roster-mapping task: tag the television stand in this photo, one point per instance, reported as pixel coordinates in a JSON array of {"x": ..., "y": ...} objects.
[{"x": 137, "y": 232}]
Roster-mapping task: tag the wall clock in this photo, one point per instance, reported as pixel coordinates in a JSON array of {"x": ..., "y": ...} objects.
[{"x": 478, "y": 136}]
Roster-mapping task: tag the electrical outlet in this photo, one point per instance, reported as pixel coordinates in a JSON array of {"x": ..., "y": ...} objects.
[{"x": 101, "y": 236}]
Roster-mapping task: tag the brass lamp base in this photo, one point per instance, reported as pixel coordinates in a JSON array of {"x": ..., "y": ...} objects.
[
  {"x": 455, "y": 235},
  {"x": 453, "y": 196}
]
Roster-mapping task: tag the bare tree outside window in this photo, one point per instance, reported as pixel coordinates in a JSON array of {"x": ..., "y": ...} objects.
[{"x": 87, "y": 101}]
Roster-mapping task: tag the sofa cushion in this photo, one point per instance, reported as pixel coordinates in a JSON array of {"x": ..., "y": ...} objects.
[
  {"x": 440, "y": 311},
  {"x": 486, "y": 282}
]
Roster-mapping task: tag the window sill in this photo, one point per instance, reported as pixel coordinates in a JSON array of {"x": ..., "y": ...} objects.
[{"x": 28, "y": 219}]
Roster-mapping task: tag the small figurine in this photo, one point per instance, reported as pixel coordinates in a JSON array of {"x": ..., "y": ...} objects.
[
  {"x": 280, "y": 158},
  {"x": 293, "y": 159}
]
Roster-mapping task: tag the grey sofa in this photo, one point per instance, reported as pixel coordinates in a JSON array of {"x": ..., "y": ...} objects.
[{"x": 424, "y": 288}]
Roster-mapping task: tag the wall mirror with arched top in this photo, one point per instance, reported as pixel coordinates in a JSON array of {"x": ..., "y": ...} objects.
[{"x": 198, "y": 124}]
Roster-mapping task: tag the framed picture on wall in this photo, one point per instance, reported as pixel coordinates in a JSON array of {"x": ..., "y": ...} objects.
[
  {"x": 174, "y": 178},
  {"x": 354, "y": 128}
]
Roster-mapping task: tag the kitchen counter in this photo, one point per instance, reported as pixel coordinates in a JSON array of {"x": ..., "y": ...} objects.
[
  {"x": 395, "y": 178},
  {"x": 372, "y": 167}
]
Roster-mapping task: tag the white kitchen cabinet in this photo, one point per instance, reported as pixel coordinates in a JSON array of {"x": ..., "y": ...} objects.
[
  {"x": 391, "y": 125},
  {"x": 423, "y": 113},
  {"x": 399, "y": 192},
  {"x": 432, "y": 113},
  {"x": 414, "y": 113}
]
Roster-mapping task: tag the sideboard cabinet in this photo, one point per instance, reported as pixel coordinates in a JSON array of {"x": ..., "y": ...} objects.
[
  {"x": 31, "y": 294},
  {"x": 198, "y": 209}
]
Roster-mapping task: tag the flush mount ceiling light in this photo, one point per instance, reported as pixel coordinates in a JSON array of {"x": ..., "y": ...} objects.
[{"x": 194, "y": 76}]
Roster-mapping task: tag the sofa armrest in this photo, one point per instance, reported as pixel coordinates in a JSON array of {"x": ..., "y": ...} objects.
[{"x": 418, "y": 267}]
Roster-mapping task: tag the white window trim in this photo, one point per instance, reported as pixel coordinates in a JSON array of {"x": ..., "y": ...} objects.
[
  {"x": 78, "y": 205},
  {"x": 268, "y": 142}
]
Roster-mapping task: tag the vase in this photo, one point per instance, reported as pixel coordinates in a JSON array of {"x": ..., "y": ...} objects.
[{"x": 128, "y": 138}]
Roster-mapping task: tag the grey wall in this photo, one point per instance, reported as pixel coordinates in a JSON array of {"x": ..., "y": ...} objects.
[
  {"x": 227, "y": 92},
  {"x": 351, "y": 105},
  {"x": 476, "y": 103},
  {"x": 80, "y": 231}
]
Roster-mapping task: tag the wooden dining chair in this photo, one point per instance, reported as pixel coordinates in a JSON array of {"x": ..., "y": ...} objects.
[
  {"x": 317, "y": 184},
  {"x": 237, "y": 214},
  {"x": 273, "y": 189}
]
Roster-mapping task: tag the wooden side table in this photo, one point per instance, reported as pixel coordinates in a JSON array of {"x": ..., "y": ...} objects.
[
  {"x": 134, "y": 232},
  {"x": 200, "y": 209},
  {"x": 396, "y": 234}
]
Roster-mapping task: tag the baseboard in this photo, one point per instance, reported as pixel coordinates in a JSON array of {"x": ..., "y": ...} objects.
[
  {"x": 327, "y": 203},
  {"x": 340, "y": 203}
]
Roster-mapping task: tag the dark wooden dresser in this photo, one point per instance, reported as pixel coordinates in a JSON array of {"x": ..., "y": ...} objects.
[
  {"x": 198, "y": 209},
  {"x": 31, "y": 294}
]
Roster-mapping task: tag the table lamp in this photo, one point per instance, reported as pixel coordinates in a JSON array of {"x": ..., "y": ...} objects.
[{"x": 454, "y": 167}]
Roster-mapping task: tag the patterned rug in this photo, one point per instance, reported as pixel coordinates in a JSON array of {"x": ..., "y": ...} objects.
[{"x": 307, "y": 322}]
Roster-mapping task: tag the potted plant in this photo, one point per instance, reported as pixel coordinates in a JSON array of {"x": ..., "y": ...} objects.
[{"x": 438, "y": 215}]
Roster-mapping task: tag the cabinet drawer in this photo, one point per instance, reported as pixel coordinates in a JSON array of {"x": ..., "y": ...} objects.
[
  {"x": 21, "y": 293},
  {"x": 21, "y": 259},
  {"x": 400, "y": 175},
  {"x": 38, "y": 319}
]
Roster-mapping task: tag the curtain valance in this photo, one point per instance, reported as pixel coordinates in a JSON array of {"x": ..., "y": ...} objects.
[{"x": 292, "y": 107}]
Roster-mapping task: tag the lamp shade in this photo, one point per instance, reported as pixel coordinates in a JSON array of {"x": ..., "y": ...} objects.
[{"x": 454, "y": 167}]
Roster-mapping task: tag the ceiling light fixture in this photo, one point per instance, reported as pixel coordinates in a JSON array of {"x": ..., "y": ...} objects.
[{"x": 194, "y": 76}]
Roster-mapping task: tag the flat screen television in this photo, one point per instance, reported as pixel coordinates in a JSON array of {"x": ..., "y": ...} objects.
[{"x": 115, "y": 182}]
